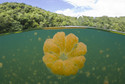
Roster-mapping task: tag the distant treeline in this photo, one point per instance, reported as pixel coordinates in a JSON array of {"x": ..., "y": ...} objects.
[
  {"x": 113, "y": 23},
  {"x": 19, "y": 16}
]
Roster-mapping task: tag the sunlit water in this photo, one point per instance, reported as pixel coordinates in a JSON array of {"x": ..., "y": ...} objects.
[{"x": 21, "y": 58}]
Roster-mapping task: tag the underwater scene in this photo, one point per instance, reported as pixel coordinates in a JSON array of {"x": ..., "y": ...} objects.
[{"x": 102, "y": 61}]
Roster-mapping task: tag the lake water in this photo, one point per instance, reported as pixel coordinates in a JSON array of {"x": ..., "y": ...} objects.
[{"x": 21, "y": 58}]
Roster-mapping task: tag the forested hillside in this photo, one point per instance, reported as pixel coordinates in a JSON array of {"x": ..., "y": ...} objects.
[
  {"x": 19, "y": 16},
  {"x": 113, "y": 23}
]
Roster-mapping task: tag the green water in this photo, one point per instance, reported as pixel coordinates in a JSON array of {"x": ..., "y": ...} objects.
[{"x": 21, "y": 58}]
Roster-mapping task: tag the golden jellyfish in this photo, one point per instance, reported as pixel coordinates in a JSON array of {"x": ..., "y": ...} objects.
[{"x": 64, "y": 55}]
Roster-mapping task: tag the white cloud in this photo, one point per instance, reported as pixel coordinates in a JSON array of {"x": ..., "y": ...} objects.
[
  {"x": 70, "y": 12},
  {"x": 80, "y": 3},
  {"x": 110, "y": 8}
]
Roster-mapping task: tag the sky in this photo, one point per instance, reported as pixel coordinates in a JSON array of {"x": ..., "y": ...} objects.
[{"x": 76, "y": 8}]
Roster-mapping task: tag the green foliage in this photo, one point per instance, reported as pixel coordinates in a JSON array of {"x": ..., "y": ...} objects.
[
  {"x": 19, "y": 16},
  {"x": 116, "y": 23}
]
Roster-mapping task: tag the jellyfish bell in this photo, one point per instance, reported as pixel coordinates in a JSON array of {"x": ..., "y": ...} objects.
[{"x": 64, "y": 55}]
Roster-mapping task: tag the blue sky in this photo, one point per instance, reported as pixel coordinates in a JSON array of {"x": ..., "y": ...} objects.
[
  {"x": 50, "y": 5},
  {"x": 77, "y": 8}
]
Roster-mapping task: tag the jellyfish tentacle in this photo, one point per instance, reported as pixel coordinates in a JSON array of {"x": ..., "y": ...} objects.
[
  {"x": 70, "y": 41},
  {"x": 59, "y": 39},
  {"x": 57, "y": 67},
  {"x": 49, "y": 59},
  {"x": 51, "y": 47},
  {"x": 79, "y": 61},
  {"x": 79, "y": 50},
  {"x": 69, "y": 68}
]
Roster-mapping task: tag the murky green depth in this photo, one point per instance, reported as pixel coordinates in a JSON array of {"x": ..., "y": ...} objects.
[{"x": 21, "y": 58}]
